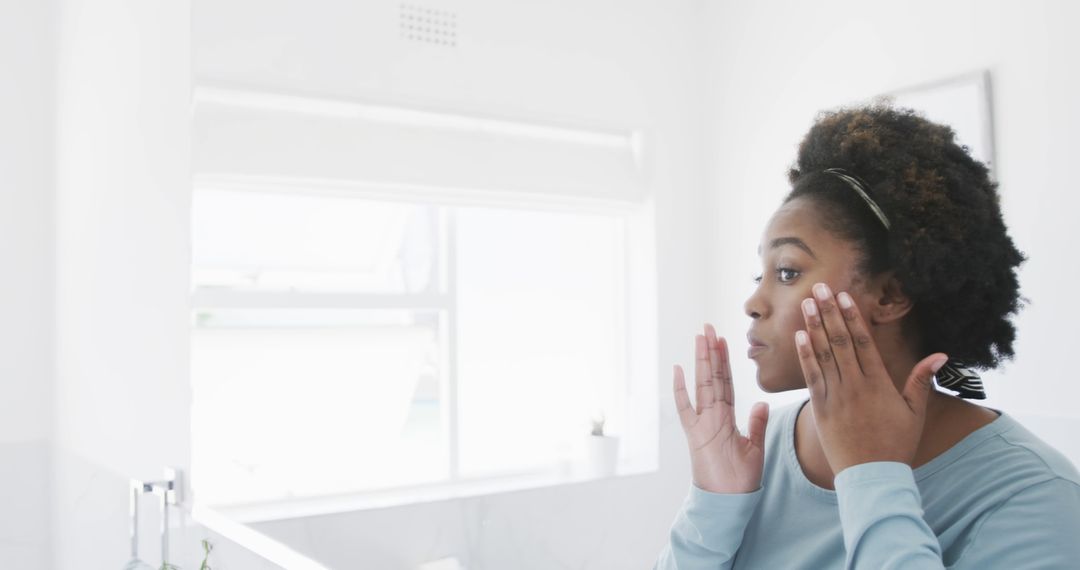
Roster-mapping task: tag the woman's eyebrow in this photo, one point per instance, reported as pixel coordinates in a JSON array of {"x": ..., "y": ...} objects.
[{"x": 789, "y": 240}]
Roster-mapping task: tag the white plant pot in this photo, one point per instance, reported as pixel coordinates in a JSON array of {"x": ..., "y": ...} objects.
[{"x": 601, "y": 455}]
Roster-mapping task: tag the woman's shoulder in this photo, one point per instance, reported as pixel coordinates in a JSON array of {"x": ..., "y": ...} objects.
[
  {"x": 1001, "y": 458},
  {"x": 1025, "y": 447},
  {"x": 1009, "y": 500}
]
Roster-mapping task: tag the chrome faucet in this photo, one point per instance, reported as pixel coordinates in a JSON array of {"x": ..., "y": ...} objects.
[{"x": 168, "y": 491}]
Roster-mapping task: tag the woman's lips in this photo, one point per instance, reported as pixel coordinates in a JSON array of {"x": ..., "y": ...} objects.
[{"x": 756, "y": 346}]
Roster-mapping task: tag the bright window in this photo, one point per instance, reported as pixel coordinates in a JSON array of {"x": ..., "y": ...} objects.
[{"x": 345, "y": 345}]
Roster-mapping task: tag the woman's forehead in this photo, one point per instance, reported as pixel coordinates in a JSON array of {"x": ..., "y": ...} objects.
[{"x": 795, "y": 224}]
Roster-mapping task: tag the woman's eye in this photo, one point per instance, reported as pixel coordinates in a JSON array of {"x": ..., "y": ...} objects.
[{"x": 780, "y": 272}]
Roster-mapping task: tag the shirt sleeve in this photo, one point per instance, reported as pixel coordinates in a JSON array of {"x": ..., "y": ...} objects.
[
  {"x": 881, "y": 515},
  {"x": 1038, "y": 527},
  {"x": 882, "y": 518},
  {"x": 708, "y": 530}
]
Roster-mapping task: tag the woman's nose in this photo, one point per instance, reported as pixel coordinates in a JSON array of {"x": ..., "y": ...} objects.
[{"x": 751, "y": 307}]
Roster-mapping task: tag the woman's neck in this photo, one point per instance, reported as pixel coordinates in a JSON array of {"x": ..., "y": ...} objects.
[{"x": 948, "y": 420}]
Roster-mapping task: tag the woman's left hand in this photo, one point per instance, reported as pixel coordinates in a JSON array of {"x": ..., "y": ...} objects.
[{"x": 860, "y": 414}]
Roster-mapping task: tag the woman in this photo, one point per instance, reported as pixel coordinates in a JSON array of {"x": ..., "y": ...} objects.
[{"x": 887, "y": 264}]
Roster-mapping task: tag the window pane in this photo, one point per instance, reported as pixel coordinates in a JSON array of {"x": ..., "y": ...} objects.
[
  {"x": 541, "y": 343},
  {"x": 281, "y": 242},
  {"x": 301, "y": 402}
]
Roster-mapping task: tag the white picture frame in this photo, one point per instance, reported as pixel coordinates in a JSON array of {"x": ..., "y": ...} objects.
[{"x": 964, "y": 102}]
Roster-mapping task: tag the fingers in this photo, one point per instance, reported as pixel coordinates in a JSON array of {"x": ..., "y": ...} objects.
[
  {"x": 706, "y": 392},
  {"x": 682, "y": 400},
  {"x": 829, "y": 335},
  {"x": 721, "y": 367},
  {"x": 725, "y": 363},
  {"x": 759, "y": 418},
  {"x": 815, "y": 379},
  {"x": 917, "y": 387},
  {"x": 861, "y": 340}
]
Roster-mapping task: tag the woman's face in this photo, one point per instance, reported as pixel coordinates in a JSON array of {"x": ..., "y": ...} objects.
[{"x": 795, "y": 254}]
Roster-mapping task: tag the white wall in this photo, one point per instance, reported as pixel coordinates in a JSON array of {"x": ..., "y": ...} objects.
[
  {"x": 121, "y": 214},
  {"x": 27, "y": 37},
  {"x": 773, "y": 65},
  {"x": 635, "y": 64}
]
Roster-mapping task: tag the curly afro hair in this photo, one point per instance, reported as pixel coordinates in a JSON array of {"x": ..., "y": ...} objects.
[{"x": 947, "y": 244}]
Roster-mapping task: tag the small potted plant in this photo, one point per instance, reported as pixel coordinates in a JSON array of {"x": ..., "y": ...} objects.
[
  {"x": 207, "y": 547},
  {"x": 602, "y": 451}
]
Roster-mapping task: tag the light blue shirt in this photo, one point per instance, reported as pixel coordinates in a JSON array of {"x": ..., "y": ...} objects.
[{"x": 1000, "y": 498}]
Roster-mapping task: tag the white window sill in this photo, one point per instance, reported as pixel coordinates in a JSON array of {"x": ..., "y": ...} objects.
[{"x": 307, "y": 507}]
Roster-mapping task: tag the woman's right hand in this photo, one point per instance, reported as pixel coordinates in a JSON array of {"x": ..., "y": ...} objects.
[{"x": 722, "y": 459}]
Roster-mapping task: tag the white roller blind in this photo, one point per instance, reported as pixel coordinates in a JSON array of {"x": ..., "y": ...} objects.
[{"x": 240, "y": 134}]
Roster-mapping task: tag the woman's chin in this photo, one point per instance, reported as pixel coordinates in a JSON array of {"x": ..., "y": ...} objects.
[
  {"x": 773, "y": 385},
  {"x": 771, "y": 388}
]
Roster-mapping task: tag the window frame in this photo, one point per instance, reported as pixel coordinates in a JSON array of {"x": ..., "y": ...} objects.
[{"x": 445, "y": 200}]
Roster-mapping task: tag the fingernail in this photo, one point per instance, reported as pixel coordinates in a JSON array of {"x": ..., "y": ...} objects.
[
  {"x": 809, "y": 306},
  {"x": 801, "y": 338},
  {"x": 937, "y": 365},
  {"x": 822, "y": 291},
  {"x": 845, "y": 300}
]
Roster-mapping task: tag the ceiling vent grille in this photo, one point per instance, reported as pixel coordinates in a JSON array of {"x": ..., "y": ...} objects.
[{"x": 423, "y": 24}]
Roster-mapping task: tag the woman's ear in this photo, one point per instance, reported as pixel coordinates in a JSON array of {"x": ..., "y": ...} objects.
[{"x": 892, "y": 303}]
